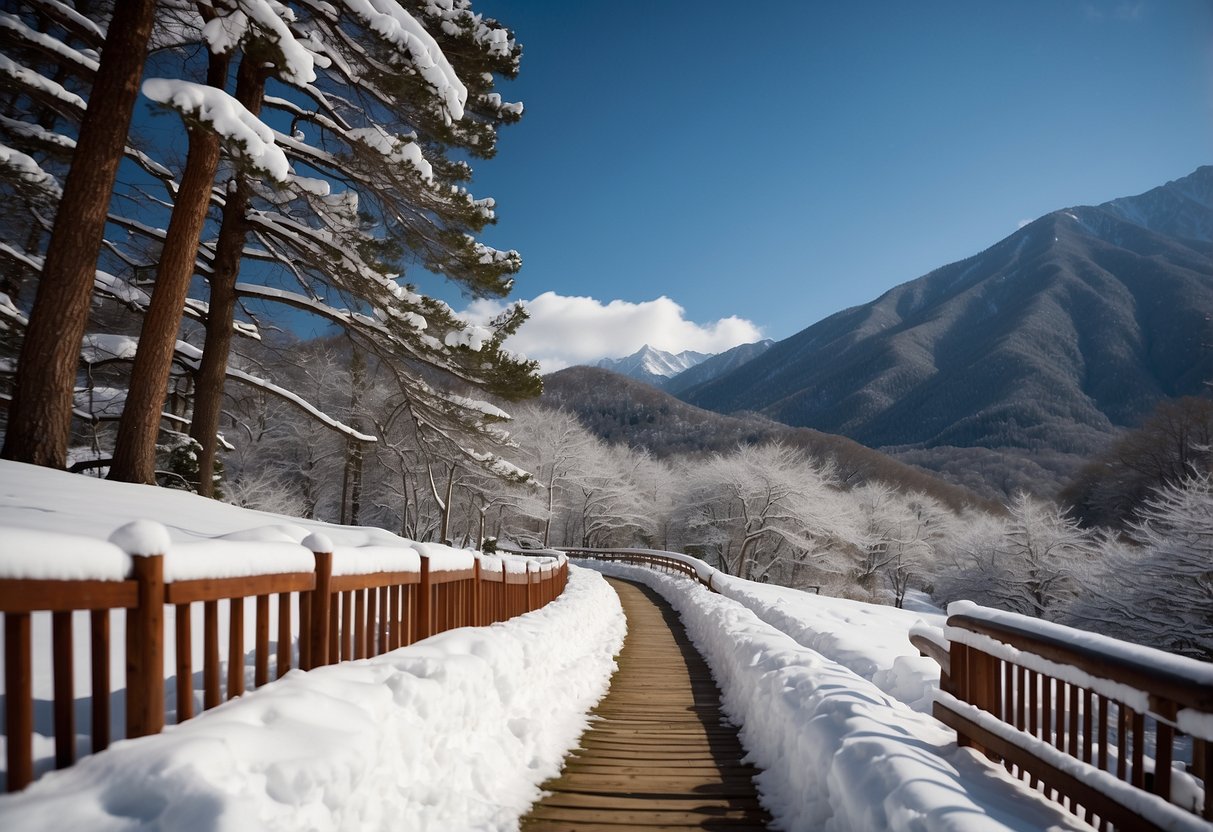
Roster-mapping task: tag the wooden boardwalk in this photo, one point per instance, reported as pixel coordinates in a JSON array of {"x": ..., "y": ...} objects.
[{"x": 657, "y": 754}]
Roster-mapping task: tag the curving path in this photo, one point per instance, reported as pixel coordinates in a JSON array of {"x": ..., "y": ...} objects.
[{"x": 658, "y": 753}]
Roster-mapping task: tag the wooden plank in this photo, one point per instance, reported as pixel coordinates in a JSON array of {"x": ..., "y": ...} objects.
[
  {"x": 210, "y": 654},
  {"x": 185, "y": 669},
  {"x": 261, "y": 662},
  {"x": 658, "y": 753},
  {"x": 321, "y": 600},
  {"x": 235, "y": 648},
  {"x": 283, "y": 663},
  {"x": 218, "y": 589},
  {"x": 349, "y": 583},
  {"x": 145, "y": 650},
  {"x": 64, "y": 596},
  {"x": 18, "y": 700},
  {"x": 642, "y": 802}
]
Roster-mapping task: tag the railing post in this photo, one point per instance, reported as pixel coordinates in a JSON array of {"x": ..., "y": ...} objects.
[
  {"x": 19, "y": 699},
  {"x": 321, "y": 604},
  {"x": 423, "y": 600},
  {"x": 146, "y": 542},
  {"x": 530, "y": 590},
  {"x": 476, "y": 592}
]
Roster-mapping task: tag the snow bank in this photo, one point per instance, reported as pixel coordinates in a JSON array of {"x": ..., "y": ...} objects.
[
  {"x": 455, "y": 732},
  {"x": 57, "y": 525},
  {"x": 869, "y": 639},
  {"x": 872, "y": 640},
  {"x": 837, "y": 752}
]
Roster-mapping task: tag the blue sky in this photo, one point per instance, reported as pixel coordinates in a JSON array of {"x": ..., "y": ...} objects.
[{"x": 783, "y": 161}]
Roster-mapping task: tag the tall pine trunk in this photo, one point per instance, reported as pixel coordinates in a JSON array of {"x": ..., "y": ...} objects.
[
  {"x": 135, "y": 447},
  {"x": 212, "y": 370},
  {"x": 40, "y": 415}
]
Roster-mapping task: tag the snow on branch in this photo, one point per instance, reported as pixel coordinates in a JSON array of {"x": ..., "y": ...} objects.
[
  {"x": 10, "y": 312},
  {"x": 225, "y": 32},
  {"x": 103, "y": 282},
  {"x": 227, "y": 117},
  {"x": 192, "y": 356},
  {"x": 99, "y": 347},
  {"x": 397, "y": 26},
  {"x": 458, "y": 19},
  {"x": 29, "y": 172},
  {"x": 39, "y": 83},
  {"x": 393, "y": 148},
  {"x": 47, "y": 44},
  {"x": 70, "y": 18}
]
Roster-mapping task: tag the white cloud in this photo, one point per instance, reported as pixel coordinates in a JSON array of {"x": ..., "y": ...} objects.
[
  {"x": 1022, "y": 223},
  {"x": 565, "y": 330}
]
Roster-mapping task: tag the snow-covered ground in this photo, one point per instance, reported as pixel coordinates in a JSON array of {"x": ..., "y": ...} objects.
[
  {"x": 455, "y": 732},
  {"x": 838, "y": 752},
  {"x": 458, "y": 731}
]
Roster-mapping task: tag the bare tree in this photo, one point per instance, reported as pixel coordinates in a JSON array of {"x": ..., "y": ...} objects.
[{"x": 1157, "y": 588}]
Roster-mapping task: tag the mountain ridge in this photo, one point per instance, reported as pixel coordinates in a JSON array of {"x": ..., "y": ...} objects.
[
  {"x": 1050, "y": 340},
  {"x": 620, "y": 409}
]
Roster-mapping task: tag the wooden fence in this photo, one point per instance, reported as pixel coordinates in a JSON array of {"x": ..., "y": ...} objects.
[
  {"x": 340, "y": 617},
  {"x": 652, "y": 560},
  {"x": 1097, "y": 730},
  {"x": 1093, "y": 727}
]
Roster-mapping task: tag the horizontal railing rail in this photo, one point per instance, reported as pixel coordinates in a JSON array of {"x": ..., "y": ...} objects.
[
  {"x": 340, "y": 617},
  {"x": 1120, "y": 735},
  {"x": 663, "y": 562}
]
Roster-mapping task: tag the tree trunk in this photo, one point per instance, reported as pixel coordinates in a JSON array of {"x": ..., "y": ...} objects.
[
  {"x": 135, "y": 447},
  {"x": 40, "y": 414},
  {"x": 212, "y": 369}
]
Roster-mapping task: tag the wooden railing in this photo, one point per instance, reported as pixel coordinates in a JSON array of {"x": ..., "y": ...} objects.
[
  {"x": 662, "y": 562},
  {"x": 341, "y": 617},
  {"x": 1117, "y": 734}
]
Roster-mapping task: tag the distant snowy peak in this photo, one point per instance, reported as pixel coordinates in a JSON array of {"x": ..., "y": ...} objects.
[
  {"x": 653, "y": 365},
  {"x": 717, "y": 365}
]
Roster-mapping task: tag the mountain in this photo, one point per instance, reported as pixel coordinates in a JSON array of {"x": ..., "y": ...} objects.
[
  {"x": 716, "y": 366},
  {"x": 1037, "y": 350},
  {"x": 653, "y": 365},
  {"x": 624, "y": 410}
]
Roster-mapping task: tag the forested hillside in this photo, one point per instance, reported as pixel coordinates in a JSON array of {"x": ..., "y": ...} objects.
[{"x": 1039, "y": 348}]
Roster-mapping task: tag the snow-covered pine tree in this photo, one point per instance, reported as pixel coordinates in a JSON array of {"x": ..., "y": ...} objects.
[
  {"x": 376, "y": 200},
  {"x": 40, "y": 414},
  {"x": 137, "y": 255},
  {"x": 212, "y": 117}
]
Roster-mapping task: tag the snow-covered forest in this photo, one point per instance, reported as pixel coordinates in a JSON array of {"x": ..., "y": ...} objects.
[
  {"x": 192, "y": 191},
  {"x": 283, "y": 169}
]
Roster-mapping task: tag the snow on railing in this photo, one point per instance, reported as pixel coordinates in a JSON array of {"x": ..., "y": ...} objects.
[
  {"x": 674, "y": 562},
  {"x": 348, "y": 602},
  {"x": 1119, "y": 734}
]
